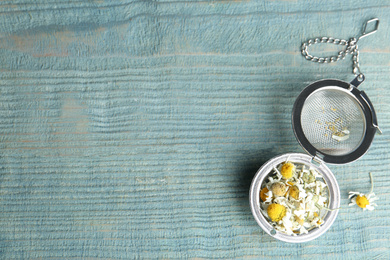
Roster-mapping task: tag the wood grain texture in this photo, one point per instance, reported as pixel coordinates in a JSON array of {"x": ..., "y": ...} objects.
[{"x": 133, "y": 129}]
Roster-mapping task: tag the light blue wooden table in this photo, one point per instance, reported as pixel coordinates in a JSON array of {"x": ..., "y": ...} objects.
[{"x": 133, "y": 129}]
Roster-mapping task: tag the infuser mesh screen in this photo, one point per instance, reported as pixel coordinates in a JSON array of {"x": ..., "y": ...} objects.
[{"x": 333, "y": 121}]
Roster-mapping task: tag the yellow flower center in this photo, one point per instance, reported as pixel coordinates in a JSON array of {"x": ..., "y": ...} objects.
[
  {"x": 278, "y": 189},
  {"x": 287, "y": 170},
  {"x": 276, "y": 212},
  {"x": 264, "y": 197},
  {"x": 362, "y": 201}
]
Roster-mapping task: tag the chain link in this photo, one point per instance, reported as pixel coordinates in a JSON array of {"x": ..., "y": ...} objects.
[{"x": 351, "y": 48}]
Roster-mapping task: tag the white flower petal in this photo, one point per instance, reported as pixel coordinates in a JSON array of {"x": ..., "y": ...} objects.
[
  {"x": 269, "y": 196},
  {"x": 352, "y": 193},
  {"x": 303, "y": 230},
  {"x": 299, "y": 213},
  {"x": 353, "y": 201},
  {"x": 278, "y": 174}
]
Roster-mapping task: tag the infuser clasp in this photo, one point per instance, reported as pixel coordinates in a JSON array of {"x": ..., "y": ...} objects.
[
  {"x": 364, "y": 34},
  {"x": 374, "y": 122}
]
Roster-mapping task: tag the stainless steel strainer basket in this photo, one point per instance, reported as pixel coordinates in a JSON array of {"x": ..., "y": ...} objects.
[
  {"x": 261, "y": 176},
  {"x": 334, "y": 121}
]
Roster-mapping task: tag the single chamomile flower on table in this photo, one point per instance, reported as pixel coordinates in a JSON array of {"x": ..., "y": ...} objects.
[{"x": 364, "y": 201}]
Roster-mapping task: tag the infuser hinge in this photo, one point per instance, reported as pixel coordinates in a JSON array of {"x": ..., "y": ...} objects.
[{"x": 317, "y": 159}]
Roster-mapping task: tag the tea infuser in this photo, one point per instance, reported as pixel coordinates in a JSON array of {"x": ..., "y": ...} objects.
[{"x": 334, "y": 122}]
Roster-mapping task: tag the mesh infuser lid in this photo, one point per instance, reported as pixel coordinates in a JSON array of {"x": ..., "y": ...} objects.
[{"x": 334, "y": 121}]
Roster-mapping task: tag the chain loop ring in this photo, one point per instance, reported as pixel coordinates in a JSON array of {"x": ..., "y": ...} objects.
[{"x": 351, "y": 48}]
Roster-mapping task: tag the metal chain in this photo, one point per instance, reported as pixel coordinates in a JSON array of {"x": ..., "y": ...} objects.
[{"x": 351, "y": 48}]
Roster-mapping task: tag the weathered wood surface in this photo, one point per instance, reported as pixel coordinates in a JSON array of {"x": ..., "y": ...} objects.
[{"x": 132, "y": 129}]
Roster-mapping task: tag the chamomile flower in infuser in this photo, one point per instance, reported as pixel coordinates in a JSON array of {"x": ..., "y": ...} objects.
[
  {"x": 294, "y": 192},
  {"x": 278, "y": 189},
  {"x": 287, "y": 170},
  {"x": 276, "y": 212},
  {"x": 263, "y": 194},
  {"x": 266, "y": 193},
  {"x": 364, "y": 201}
]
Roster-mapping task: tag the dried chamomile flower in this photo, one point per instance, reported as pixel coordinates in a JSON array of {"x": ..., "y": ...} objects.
[
  {"x": 263, "y": 195},
  {"x": 364, "y": 201},
  {"x": 276, "y": 212},
  {"x": 294, "y": 192},
  {"x": 287, "y": 170},
  {"x": 278, "y": 189}
]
